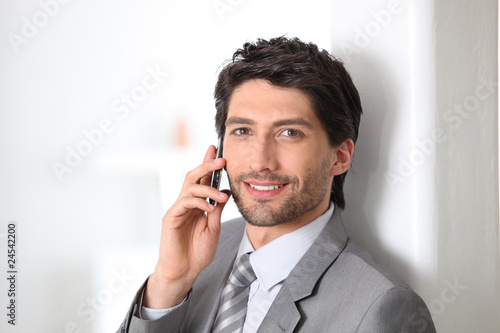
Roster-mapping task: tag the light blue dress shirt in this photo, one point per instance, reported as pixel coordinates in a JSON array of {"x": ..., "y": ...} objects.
[{"x": 271, "y": 263}]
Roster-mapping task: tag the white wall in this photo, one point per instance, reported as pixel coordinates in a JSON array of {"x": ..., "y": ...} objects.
[
  {"x": 87, "y": 242},
  {"x": 466, "y": 174},
  {"x": 423, "y": 196}
]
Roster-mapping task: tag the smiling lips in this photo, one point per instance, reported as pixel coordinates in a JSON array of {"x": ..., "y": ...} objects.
[{"x": 264, "y": 190}]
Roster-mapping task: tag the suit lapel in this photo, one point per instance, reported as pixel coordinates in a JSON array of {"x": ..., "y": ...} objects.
[{"x": 283, "y": 316}]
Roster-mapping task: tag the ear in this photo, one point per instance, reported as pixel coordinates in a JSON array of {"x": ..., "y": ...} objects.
[{"x": 343, "y": 156}]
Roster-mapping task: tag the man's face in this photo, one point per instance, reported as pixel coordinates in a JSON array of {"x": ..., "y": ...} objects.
[{"x": 279, "y": 160}]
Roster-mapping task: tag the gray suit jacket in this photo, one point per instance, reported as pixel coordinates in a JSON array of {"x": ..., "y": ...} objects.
[{"x": 335, "y": 287}]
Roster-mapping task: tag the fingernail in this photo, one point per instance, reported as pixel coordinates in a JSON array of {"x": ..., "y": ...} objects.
[{"x": 222, "y": 195}]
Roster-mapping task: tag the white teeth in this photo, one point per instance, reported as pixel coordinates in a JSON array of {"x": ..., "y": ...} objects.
[{"x": 265, "y": 188}]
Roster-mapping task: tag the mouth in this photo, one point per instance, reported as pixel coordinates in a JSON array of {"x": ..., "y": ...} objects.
[{"x": 264, "y": 190}]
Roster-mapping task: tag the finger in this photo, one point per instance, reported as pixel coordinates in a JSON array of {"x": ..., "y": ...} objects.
[
  {"x": 203, "y": 171},
  {"x": 202, "y": 191},
  {"x": 186, "y": 204},
  {"x": 207, "y": 179},
  {"x": 210, "y": 154}
]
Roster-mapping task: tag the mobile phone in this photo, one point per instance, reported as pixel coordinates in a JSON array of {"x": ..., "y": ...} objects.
[{"x": 216, "y": 176}]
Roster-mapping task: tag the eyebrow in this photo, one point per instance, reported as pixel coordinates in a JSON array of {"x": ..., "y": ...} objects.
[
  {"x": 300, "y": 122},
  {"x": 238, "y": 121},
  {"x": 284, "y": 122}
]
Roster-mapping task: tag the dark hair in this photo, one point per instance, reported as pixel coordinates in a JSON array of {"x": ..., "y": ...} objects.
[{"x": 289, "y": 62}]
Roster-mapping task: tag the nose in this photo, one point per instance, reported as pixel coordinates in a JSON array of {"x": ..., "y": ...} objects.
[{"x": 263, "y": 156}]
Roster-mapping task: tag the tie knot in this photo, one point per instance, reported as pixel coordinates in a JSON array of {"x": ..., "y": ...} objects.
[{"x": 243, "y": 274}]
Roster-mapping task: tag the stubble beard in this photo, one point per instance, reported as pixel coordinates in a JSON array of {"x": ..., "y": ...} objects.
[{"x": 263, "y": 212}]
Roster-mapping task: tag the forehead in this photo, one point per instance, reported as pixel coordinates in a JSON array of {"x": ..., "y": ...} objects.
[{"x": 263, "y": 102}]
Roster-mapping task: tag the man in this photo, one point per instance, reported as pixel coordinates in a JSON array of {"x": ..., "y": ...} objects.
[{"x": 289, "y": 114}]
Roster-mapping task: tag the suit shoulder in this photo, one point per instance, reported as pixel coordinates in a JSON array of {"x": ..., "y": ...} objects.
[
  {"x": 231, "y": 234},
  {"x": 233, "y": 226},
  {"x": 356, "y": 294},
  {"x": 357, "y": 264},
  {"x": 371, "y": 295}
]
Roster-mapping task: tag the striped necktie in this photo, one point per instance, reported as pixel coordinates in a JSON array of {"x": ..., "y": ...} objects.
[{"x": 234, "y": 299}]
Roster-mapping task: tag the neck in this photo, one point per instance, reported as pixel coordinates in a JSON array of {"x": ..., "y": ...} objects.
[{"x": 260, "y": 236}]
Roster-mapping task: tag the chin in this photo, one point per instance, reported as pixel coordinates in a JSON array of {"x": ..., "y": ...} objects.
[{"x": 261, "y": 216}]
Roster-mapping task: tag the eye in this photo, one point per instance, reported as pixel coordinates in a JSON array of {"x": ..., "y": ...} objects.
[
  {"x": 291, "y": 133},
  {"x": 241, "y": 131}
]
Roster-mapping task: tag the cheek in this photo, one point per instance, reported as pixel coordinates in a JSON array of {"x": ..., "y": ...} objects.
[
  {"x": 234, "y": 159},
  {"x": 294, "y": 163}
]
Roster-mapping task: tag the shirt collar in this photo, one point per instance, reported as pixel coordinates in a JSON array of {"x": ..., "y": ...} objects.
[{"x": 274, "y": 261}]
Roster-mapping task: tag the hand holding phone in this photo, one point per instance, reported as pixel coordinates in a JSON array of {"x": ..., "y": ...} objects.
[
  {"x": 216, "y": 176},
  {"x": 186, "y": 248}
]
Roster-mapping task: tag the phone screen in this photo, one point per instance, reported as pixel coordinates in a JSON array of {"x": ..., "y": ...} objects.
[{"x": 216, "y": 176}]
